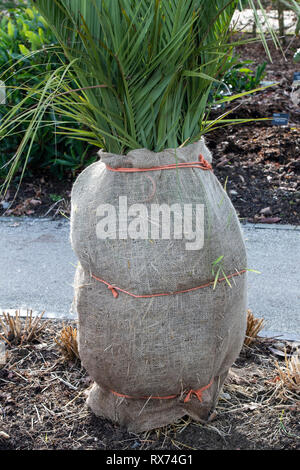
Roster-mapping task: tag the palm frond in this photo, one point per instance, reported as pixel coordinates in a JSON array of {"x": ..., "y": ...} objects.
[
  {"x": 157, "y": 60},
  {"x": 139, "y": 73}
]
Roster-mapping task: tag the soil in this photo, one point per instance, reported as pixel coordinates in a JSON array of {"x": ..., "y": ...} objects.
[
  {"x": 260, "y": 162},
  {"x": 42, "y": 404},
  {"x": 257, "y": 162}
]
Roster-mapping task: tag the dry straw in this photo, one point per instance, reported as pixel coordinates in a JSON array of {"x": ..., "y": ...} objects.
[
  {"x": 254, "y": 326},
  {"x": 17, "y": 331},
  {"x": 289, "y": 372},
  {"x": 68, "y": 343}
]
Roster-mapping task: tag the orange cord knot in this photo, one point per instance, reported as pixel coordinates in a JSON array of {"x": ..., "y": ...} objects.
[
  {"x": 113, "y": 291},
  {"x": 204, "y": 162},
  {"x": 197, "y": 393}
]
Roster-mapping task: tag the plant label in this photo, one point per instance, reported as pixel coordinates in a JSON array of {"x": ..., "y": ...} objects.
[
  {"x": 280, "y": 119},
  {"x": 296, "y": 80}
]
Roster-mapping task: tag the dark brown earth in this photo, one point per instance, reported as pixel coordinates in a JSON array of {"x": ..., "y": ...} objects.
[
  {"x": 259, "y": 163},
  {"x": 42, "y": 405}
]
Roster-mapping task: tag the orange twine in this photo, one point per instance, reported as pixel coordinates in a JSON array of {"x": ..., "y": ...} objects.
[
  {"x": 197, "y": 393},
  {"x": 114, "y": 289},
  {"x": 202, "y": 164}
]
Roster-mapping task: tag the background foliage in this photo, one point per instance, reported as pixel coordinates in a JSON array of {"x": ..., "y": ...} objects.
[{"x": 25, "y": 58}]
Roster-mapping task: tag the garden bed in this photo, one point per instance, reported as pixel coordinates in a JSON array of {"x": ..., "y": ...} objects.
[
  {"x": 42, "y": 405},
  {"x": 258, "y": 162}
]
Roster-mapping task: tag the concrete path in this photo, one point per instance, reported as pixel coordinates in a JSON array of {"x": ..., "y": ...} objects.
[{"x": 37, "y": 267}]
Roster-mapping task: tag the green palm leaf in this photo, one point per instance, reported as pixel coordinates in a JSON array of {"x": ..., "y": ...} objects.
[{"x": 143, "y": 69}]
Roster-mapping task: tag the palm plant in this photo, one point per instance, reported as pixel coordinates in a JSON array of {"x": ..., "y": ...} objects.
[{"x": 138, "y": 73}]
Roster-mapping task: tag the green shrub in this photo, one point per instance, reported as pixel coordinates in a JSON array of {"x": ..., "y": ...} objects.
[
  {"x": 28, "y": 52},
  {"x": 240, "y": 78}
]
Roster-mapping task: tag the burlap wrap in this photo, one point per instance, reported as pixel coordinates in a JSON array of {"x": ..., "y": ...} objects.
[{"x": 166, "y": 345}]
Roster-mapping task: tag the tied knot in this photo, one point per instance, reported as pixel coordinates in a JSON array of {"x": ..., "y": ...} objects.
[
  {"x": 113, "y": 291},
  {"x": 197, "y": 393},
  {"x": 204, "y": 162}
]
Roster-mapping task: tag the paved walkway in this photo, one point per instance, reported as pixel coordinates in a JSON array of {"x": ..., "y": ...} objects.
[{"x": 38, "y": 265}]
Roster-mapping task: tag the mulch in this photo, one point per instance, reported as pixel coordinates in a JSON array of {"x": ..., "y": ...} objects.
[
  {"x": 257, "y": 162},
  {"x": 42, "y": 404},
  {"x": 260, "y": 162}
]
